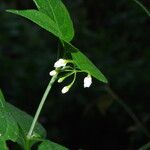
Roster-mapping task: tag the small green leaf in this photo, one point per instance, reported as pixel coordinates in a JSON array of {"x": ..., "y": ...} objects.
[
  {"x": 57, "y": 11},
  {"x": 48, "y": 145},
  {"x": 8, "y": 126},
  {"x": 84, "y": 63}
]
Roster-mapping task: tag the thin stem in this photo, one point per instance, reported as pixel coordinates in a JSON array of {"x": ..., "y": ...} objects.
[
  {"x": 83, "y": 71},
  {"x": 128, "y": 110},
  {"x": 73, "y": 79},
  {"x": 63, "y": 45},
  {"x": 53, "y": 79},
  {"x": 58, "y": 51},
  {"x": 62, "y": 42},
  {"x": 143, "y": 7},
  {"x": 27, "y": 146},
  {"x": 66, "y": 76},
  {"x": 67, "y": 70}
]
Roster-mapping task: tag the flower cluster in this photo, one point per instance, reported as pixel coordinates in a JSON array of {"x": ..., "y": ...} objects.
[{"x": 61, "y": 66}]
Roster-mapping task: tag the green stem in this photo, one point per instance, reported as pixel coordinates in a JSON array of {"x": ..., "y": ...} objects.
[
  {"x": 143, "y": 7},
  {"x": 63, "y": 45},
  {"x": 62, "y": 42},
  {"x": 53, "y": 79},
  {"x": 27, "y": 146}
]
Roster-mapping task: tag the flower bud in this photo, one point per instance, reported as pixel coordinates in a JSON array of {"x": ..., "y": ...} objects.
[
  {"x": 60, "y": 63},
  {"x": 53, "y": 73},
  {"x": 60, "y": 80},
  {"x": 87, "y": 81},
  {"x": 65, "y": 89}
]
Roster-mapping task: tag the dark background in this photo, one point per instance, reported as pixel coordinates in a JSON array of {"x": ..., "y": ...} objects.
[{"x": 115, "y": 36}]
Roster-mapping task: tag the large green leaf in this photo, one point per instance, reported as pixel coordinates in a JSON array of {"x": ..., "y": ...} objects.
[
  {"x": 15, "y": 124},
  {"x": 3, "y": 145},
  {"x": 48, "y": 145},
  {"x": 8, "y": 126},
  {"x": 52, "y": 16},
  {"x": 39, "y": 18},
  {"x": 24, "y": 121},
  {"x": 57, "y": 11},
  {"x": 84, "y": 63}
]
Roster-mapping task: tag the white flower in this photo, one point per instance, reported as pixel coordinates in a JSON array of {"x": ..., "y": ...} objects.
[
  {"x": 65, "y": 89},
  {"x": 53, "y": 73},
  {"x": 87, "y": 81},
  {"x": 60, "y": 63}
]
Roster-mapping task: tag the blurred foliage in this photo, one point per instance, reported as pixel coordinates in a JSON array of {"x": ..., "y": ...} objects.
[{"x": 115, "y": 36}]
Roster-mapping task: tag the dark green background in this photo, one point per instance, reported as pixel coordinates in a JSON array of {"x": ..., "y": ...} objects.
[{"x": 115, "y": 36}]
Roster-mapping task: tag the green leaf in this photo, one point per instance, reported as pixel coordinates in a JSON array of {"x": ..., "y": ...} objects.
[
  {"x": 145, "y": 147},
  {"x": 48, "y": 145},
  {"x": 24, "y": 121},
  {"x": 3, "y": 145},
  {"x": 8, "y": 126},
  {"x": 52, "y": 16},
  {"x": 39, "y": 18},
  {"x": 57, "y": 11},
  {"x": 15, "y": 124},
  {"x": 84, "y": 63}
]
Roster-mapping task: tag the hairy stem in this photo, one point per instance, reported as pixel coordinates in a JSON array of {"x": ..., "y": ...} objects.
[{"x": 53, "y": 79}]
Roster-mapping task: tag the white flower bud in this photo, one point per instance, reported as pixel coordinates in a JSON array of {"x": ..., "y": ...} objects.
[
  {"x": 65, "y": 89},
  {"x": 60, "y": 63},
  {"x": 87, "y": 81},
  {"x": 60, "y": 80},
  {"x": 53, "y": 73}
]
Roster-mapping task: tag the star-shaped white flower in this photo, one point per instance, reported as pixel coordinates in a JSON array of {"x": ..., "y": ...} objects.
[
  {"x": 60, "y": 63},
  {"x": 87, "y": 81}
]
